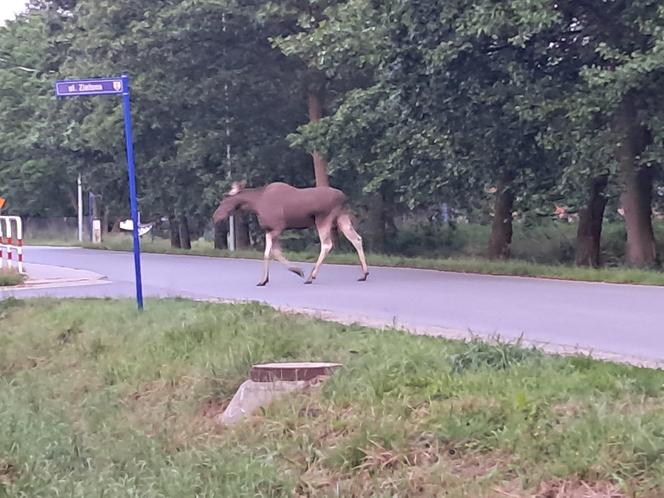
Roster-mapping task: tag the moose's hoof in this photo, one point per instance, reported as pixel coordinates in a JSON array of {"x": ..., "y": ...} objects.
[
  {"x": 363, "y": 278},
  {"x": 297, "y": 271},
  {"x": 263, "y": 283},
  {"x": 310, "y": 280}
]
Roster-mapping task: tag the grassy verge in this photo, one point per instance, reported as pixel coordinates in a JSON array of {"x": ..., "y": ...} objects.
[
  {"x": 8, "y": 278},
  {"x": 99, "y": 400},
  {"x": 517, "y": 267}
]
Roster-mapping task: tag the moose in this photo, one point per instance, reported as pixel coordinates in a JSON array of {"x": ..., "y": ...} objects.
[{"x": 280, "y": 207}]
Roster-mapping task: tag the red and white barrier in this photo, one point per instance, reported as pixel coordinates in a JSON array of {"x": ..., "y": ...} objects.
[{"x": 11, "y": 241}]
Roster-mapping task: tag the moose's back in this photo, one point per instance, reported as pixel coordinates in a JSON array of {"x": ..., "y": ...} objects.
[{"x": 300, "y": 207}]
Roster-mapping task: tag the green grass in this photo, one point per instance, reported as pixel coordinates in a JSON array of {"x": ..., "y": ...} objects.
[
  {"x": 8, "y": 278},
  {"x": 99, "y": 400},
  {"x": 514, "y": 267}
]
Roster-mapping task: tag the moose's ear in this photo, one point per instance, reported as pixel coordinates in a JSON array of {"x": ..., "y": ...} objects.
[{"x": 237, "y": 187}]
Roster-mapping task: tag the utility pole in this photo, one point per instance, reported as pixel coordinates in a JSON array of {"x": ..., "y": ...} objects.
[
  {"x": 231, "y": 219},
  {"x": 91, "y": 203},
  {"x": 80, "y": 209}
]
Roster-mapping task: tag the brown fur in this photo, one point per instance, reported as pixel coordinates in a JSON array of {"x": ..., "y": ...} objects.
[{"x": 280, "y": 207}]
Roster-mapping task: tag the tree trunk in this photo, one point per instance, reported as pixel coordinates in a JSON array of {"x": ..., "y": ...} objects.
[
  {"x": 636, "y": 201},
  {"x": 637, "y": 180},
  {"x": 315, "y": 103},
  {"x": 376, "y": 223},
  {"x": 380, "y": 215},
  {"x": 104, "y": 225},
  {"x": 185, "y": 238},
  {"x": 96, "y": 207},
  {"x": 501, "y": 228},
  {"x": 174, "y": 229},
  {"x": 589, "y": 233},
  {"x": 241, "y": 230},
  {"x": 73, "y": 200},
  {"x": 221, "y": 235}
]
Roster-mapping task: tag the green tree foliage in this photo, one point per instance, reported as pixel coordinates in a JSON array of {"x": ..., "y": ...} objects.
[
  {"x": 204, "y": 77},
  {"x": 493, "y": 107},
  {"x": 33, "y": 163},
  {"x": 437, "y": 120},
  {"x": 514, "y": 94}
]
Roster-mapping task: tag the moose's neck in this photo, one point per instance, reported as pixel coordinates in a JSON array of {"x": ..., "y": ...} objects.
[{"x": 248, "y": 199}]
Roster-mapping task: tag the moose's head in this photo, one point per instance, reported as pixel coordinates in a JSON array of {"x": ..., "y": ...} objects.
[{"x": 229, "y": 203}]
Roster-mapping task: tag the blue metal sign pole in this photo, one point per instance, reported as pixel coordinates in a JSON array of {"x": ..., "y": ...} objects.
[
  {"x": 131, "y": 171},
  {"x": 114, "y": 86}
]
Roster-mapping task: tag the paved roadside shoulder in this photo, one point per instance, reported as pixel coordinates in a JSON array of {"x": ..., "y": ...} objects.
[{"x": 49, "y": 276}]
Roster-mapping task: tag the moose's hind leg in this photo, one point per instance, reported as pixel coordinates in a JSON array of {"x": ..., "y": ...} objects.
[
  {"x": 266, "y": 260},
  {"x": 346, "y": 227},
  {"x": 325, "y": 234},
  {"x": 278, "y": 255}
]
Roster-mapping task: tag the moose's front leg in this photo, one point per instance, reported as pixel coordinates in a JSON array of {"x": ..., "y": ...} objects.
[{"x": 266, "y": 260}]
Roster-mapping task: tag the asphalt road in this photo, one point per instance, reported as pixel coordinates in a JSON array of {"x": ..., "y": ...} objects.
[{"x": 622, "y": 319}]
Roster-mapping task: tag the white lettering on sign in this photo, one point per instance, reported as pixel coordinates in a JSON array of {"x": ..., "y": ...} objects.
[
  {"x": 88, "y": 87},
  {"x": 71, "y": 88}
]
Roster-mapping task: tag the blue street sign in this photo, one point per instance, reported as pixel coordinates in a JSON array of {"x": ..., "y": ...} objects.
[
  {"x": 97, "y": 86},
  {"x": 115, "y": 86}
]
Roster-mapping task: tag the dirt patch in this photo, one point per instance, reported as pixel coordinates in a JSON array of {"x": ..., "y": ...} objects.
[
  {"x": 579, "y": 489},
  {"x": 570, "y": 409},
  {"x": 169, "y": 407},
  {"x": 423, "y": 470},
  {"x": 563, "y": 489},
  {"x": 424, "y": 452},
  {"x": 478, "y": 465},
  {"x": 8, "y": 473},
  {"x": 213, "y": 408}
]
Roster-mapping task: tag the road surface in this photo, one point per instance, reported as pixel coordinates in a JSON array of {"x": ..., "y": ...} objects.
[{"x": 622, "y": 319}]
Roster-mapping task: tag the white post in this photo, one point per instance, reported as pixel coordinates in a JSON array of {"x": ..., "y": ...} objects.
[
  {"x": 231, "y": 220},
  {"x": 10, "y": 244},
  {"x": 19, "y": 243},
  {"x": 10, "y": 262},
  {"x": 80, "y": 209},
  {"x": 2, "y": 245},
  {"x": 231, "y": 233},
  {"x": 96, "y": 231}
]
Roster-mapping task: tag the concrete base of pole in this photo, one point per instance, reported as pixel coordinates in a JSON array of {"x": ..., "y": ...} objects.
[
  {"x": 96, "y": 231},
  {"x": 270, "y": 382}
]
